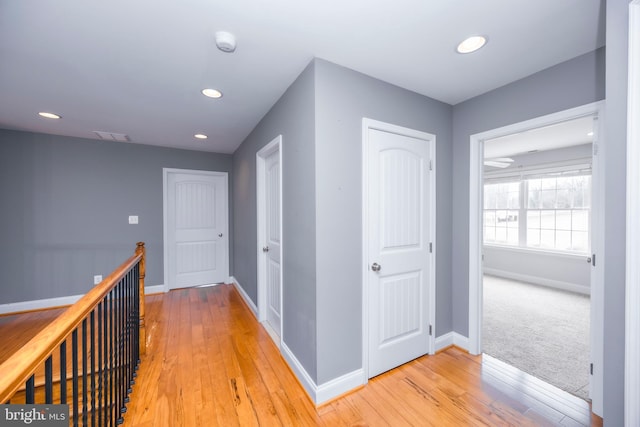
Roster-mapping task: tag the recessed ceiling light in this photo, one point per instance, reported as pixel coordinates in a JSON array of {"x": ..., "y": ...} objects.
[
  {"x": 200, "y": 136},
  {"x": 212, "y": 93},
  {"x": 471, "y": 44},
  {"x": 49, "y": 115}
]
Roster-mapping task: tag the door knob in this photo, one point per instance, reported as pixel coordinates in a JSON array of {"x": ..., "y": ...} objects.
[
  {"x": 375, "y": 267},
  {"x": 265, "y": 249}
]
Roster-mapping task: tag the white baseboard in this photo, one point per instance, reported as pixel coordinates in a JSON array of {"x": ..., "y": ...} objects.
[
  {"x": 338, "y": 386},
  {"x": 39, "y": 304},
  {"x": 557, "y": 284},
  {"x": 452, "y": 338},
  {"x": 245, "y": 296},
  {"x": 156, "y": 289},
  {"x": 43, "y": 304},
  {"x": 326, "y": 391},
  {"x": 303, "y": 377}
]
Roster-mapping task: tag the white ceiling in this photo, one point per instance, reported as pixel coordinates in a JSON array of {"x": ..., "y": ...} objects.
[
  {"x": 560, "y": 135},
  {"x": 137, "y": 67}
]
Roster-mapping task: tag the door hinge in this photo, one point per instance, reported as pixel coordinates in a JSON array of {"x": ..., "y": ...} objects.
[
  {"x": 593, "y": 259},
  {"x": 431, "y": 247},
  {"x": 591, "y": 368},
  {"x": 430, "y": 329},
  {"x": 430, "y": 165}
]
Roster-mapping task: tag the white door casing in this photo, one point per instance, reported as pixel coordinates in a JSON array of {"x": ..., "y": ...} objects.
[
  {"x": 195, "y": 227},
  {"x": 597, "y": 234},
  {"x": 269, "y": 203},
  {"x": 632, "y": 296},
  {"x": 398, "y": 239}
]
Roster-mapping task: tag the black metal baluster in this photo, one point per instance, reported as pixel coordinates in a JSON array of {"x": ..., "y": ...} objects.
[
  {"x": 129, "y": 336},
  {"x": 85, "y": 400},
  {"x": 99, "y": 369},
  {"x": 63, "y": 372},
  {"x": 48, "y": 381},
  {"x": 92, "y": 372},
  {"x": 116, "y": 362},
  {"x": 105, "y": 374},
  {"x": 121, "y": 333},
  {"x": 74, "y": 372},
  {"x": 30, "y": 390},
  {"x": 112, "y": 406},
  {"x": 136, "y": 316}
]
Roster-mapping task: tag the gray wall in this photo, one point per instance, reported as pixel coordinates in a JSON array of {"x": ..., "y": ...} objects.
[
  {"x": 320, "y": 118},
  {"x": 65, "y": 205},
  {"x": 293, "y": 118},
  {"x": 570, "y": 84},
  {"x": 615, "y": 201},
  {"x": 343, "y": 98},
  {"x": 543, "y": 268}
]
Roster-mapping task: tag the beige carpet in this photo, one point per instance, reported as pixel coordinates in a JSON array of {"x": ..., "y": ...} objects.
[{"x": 539, "y": 330}]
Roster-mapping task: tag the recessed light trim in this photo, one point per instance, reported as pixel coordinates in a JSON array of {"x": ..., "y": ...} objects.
[
  {"x": 48, "y": 115},
  {"x": 200, "y": 136},
  {"x": 471, "y": 44},
  {"x": 212, "y": 93}
]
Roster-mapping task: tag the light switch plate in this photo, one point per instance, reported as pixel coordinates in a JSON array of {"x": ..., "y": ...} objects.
[
  {"x": 133, "y": 219},
  {"x": 97, "y": 279}
]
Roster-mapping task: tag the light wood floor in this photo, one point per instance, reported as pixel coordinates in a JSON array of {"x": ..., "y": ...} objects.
[{"x": 210, "y": 363}]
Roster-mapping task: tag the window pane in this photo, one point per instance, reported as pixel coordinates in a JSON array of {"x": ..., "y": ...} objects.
[
  {"x": 534, "y": 199},
  {"x": 548, "y": 199},
  {"x": 501, "y": 217},
  {"x": 489, "y": 218},
  {"x": 489, "y": 197},
  {"x": 548, "y": 220},
  {"x": 533, "y": 238},
  {"x": 563, "y": 199},
  {"x": 580, "y": 241},
  {"x": 547, "y": 239},
  {"x": 489, "y": 234},
  {"x": 565, "y": 183},
  {"x": 548, "y": 183},
  {"x": 501, "y": 235},
  {"x": 580, "y": 220},
  {"x": 534, "y": 184},
  {"x": 512, "y": 236},
  {"x": 563, "y": 220},
  {"x": 533, "y": 219},
  {"x": 563, "y": 240},
  {"x": 514, "y": 200}
]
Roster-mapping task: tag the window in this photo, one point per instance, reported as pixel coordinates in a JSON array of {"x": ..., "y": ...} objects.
[
  {"x": 542, "y": 211},
  {"x": 501, "y": 212},
  {"x": 558, "y": 213}
]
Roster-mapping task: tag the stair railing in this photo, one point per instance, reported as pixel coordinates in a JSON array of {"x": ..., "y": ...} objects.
[{"x": 97, "y": 343}]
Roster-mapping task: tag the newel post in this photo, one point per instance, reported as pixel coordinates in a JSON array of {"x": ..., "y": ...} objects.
[{"x": 143, "y": 335}]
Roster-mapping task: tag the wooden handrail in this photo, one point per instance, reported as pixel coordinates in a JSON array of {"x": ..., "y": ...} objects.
[{"x": 23, "y": 363}]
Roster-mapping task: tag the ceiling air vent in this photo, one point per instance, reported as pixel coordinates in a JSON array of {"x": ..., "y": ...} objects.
[{"x": 110, "y": 136}]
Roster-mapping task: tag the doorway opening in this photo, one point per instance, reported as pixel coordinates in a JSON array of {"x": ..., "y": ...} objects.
[{"x": 535, "y": 288}]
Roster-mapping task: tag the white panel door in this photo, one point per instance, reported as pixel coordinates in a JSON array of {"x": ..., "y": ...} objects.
[
  {"x": 197, "y": 227},
  {"x": 398, "y": 248},
  {"x": 272, "y": 239}
]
